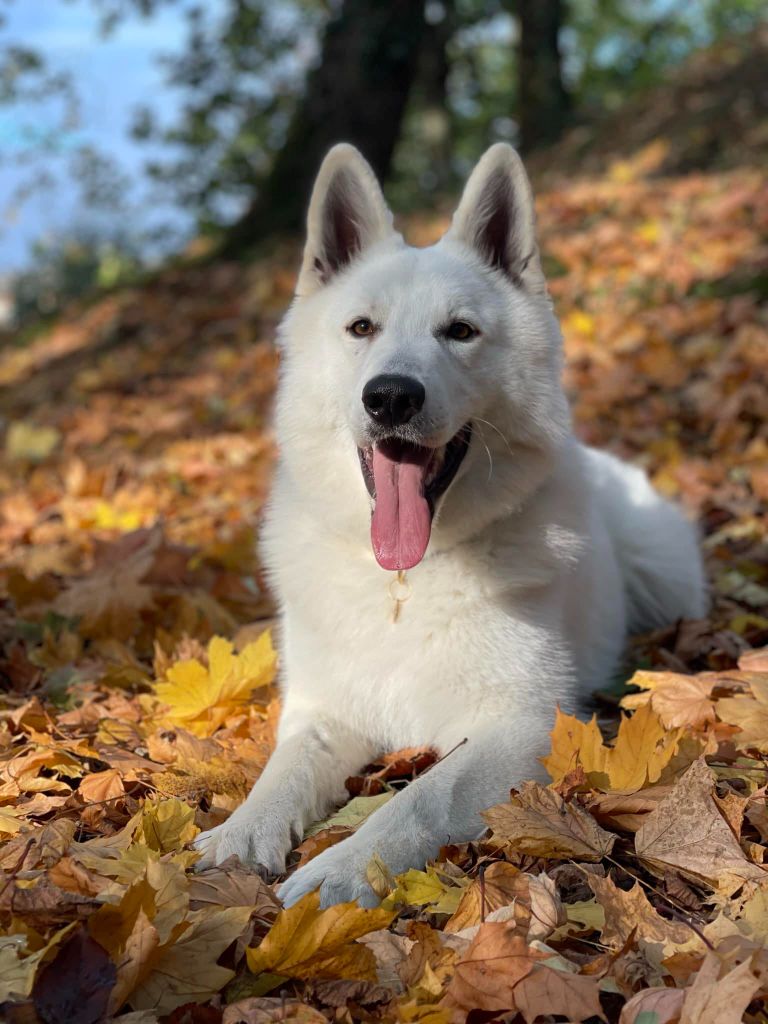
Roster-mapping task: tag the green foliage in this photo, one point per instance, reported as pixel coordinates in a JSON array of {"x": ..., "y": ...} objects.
[
  {"x": 618, "y": 47},
  {"x": 241, "y": 76},
  {"x": 68, "y": 268}
]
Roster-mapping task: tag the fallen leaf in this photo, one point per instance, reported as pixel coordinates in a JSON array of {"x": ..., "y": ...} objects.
[
  {"x": 232, "y": 885},
  {"x": 306, "y": 942},
  {"x": 27, "y": 441},
  {"x": 497, "y": 886},
  {"x": 719, "y": 1000},
  {"x": 486, "y": 975},
  {"x": 642, "y": 749},
  {"x": 678, "y": 700},
  {"x": 749, "y": 713},
  {"x": 135, "y": 960},
  {"x": 537, "y": 821},
  {"x": 352, "y": 814},
  {"x": 546, "y": 992},
  {"x": 438, "y": 892},
  {"x": 201, "y": 697},
  {"x": 76, "y": 985},
  {"x": 629, "y": 910},
  {"x": 687, "y": 832},
  {"x": 653, "y": 1006},
  {"x": 166, "y": 825},
  {"x": 185, "y": 969},
  {"x": 263, "y": 1010}
]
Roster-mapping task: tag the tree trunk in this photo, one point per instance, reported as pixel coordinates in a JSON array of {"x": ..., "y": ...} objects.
[
  {"x": 543, "y": 100},
  {"x": 357, "y": 93}
]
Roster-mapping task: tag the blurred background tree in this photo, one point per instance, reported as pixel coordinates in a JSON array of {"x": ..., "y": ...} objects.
[{"x": 266, "y": 87}]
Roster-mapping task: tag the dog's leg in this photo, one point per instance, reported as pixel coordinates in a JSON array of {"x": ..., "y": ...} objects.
[
  {"x": 443, "y": 806},
  {"x": 304, "y": 777}
]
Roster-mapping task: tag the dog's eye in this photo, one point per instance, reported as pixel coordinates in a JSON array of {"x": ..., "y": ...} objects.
[
  {"x": 362, "y": 327},
  {"x": 460, "y": 331}
]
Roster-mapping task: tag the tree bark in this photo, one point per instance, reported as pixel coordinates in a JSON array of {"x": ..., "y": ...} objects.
[
  {"x": 357, "y": 93},
  {"x": 543, "y": 100}
]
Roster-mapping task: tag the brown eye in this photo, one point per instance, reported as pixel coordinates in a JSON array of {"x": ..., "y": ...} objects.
[
  {"x": 362, "y": 327},
  {"x": 460, "y": 331}
]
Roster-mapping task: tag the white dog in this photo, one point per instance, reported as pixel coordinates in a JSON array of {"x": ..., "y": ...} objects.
[{"x": 423, "y": 427}]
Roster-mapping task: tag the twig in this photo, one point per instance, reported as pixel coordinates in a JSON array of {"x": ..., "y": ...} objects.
[{"x": 446, "y": 754}]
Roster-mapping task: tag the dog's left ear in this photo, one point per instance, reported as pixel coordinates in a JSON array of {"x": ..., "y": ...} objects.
[
  {"x": 496, "y": 217},
  {"x": 347, "y": 213}
]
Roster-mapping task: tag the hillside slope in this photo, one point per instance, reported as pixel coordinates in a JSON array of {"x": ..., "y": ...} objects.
[{"x": 137, "y": 453}]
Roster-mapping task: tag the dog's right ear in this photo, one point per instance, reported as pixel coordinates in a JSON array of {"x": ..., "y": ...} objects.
[{"x": 347, "y": 213}]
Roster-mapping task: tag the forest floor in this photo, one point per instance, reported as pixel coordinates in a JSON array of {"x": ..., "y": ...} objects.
[{"x": 138, "y": 680}]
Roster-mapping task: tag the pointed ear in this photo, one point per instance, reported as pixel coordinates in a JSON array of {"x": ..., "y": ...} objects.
[
  {"x": 347, "y": 213},
  {"x": 496, "y": 217}
]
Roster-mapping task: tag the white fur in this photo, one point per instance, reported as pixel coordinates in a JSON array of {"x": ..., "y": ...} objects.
[{"x": 543, "y": 553}]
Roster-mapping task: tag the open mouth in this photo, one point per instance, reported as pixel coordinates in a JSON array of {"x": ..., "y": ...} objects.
[{"x": 406, "y": 482}]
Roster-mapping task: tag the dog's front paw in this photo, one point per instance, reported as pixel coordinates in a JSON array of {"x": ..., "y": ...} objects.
[
  {"x": 257, "y": 840},
  {"x": 340, "y": 874}
]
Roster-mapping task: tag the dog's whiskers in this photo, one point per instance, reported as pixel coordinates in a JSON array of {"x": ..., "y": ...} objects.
[
  {"x": 487, "y": 452},
  {"x": 478, "y": 419}
]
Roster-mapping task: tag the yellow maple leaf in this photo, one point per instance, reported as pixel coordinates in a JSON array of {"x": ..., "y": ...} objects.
[
  {"x": 306, "y": 942},
  {"x": 166, "y": 825},
  {"x": 641, "y": 751},
  {"x": 201, "y": 698},
  {"x": 576, "y": 743},
  {"x": 430, "y": 888}
]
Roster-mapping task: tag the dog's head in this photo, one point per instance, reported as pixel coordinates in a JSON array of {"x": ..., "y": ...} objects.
[{"x": 433, "y": 372}]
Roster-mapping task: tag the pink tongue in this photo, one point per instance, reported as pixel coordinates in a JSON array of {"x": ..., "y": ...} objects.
[{"x": 401, "y": 520}]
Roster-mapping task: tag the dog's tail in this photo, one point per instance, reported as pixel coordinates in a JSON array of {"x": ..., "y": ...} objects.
[{"x": 656, "y": 547}]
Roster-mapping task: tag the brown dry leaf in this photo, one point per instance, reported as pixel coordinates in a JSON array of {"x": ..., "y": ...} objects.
[
  {"x": 306, "y": 942},
  {"x": 531, "y": 900},
  {"x": 627, "y": 811},
  {"x": 263, "y": 1010},
  {"x": 390, "y": 952},
  {"x": 232, "y": 885},
  {"x": 546, "y": 991},
  {"x": 487, "y": 973},
  {"x": 754, "y": 661},
  {"x": 497, "y": 887},
  {"x": 160, "y": 892},
  {"x": 660, "y": 1005},
  {"x": 677, "y": 699},
  {"x": 19, "y": 965},
  {"x": 323, "y": 840},
  {"x": 687, "y": 832},
  {"x": 185, "y": 969},
  {"x": 537, "y": 821},
  {"x": 750, "y": 714},
  {"x": 101, "y": 786},
  {"x": 719, "y": 1000},
  {"x": 629, "y": 910},
  {"x": 135, "y": 960},
  {"x": 108, "y": 601}
]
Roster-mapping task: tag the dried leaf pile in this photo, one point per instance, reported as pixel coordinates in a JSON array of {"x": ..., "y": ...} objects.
[{"x": 138, "y": 676}]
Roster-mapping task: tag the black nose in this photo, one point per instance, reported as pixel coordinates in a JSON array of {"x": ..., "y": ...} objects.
[{"x": 391, "y": 399}]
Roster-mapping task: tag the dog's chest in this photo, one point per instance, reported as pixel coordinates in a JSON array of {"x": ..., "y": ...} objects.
[{"x": 401, "y": 660}]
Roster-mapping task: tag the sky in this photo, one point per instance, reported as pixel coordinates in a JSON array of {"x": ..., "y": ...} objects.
[{"x": 112, "y": 77}]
